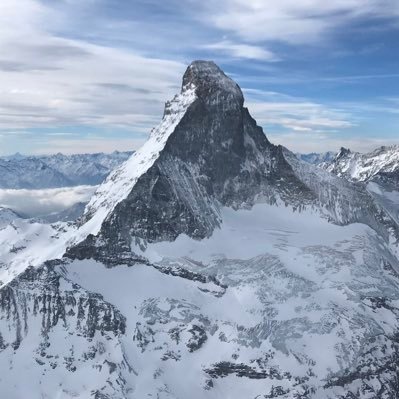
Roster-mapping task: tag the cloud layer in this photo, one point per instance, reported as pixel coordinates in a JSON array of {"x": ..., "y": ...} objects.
[
  {"x": 33, "y": 203},
  {"x": 293, "y": 21}
]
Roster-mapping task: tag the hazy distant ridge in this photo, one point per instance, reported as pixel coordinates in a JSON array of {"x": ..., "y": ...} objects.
[{"x": 59, "y": 170}]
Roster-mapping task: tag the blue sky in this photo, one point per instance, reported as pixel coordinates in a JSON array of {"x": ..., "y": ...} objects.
[{"x": 93, "y": 75}]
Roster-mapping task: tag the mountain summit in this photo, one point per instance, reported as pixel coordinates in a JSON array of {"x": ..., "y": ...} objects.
[
  {"x": 211, "y": 82},
  {"x": 211, "y": 264},
  {"x": 207, "y": 152}
]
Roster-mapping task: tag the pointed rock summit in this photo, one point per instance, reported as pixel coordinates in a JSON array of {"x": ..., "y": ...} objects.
[
  {"x": 212, "y": 84},
  {"x": 355, "y": 166},
  {"x": 207, "y": 153}
]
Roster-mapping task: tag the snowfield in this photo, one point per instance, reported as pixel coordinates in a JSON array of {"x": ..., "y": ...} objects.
[
  {"x": 298, "y": 288},
  {"x": 281, "y": 289}
]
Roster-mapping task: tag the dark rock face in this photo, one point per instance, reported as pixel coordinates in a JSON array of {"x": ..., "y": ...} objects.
[
  {"x": 38, "y": 293},
  {"x": 388, "y": 180},
  {"x": 217, "y": 155},
  {"x": 197, "y": 339},
  {"x": 223, "y": 369},
  {"x": 92, "y": 247},
  {"x": 55, "y": 328}
]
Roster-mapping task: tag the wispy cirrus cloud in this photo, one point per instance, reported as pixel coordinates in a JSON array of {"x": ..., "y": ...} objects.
[
  {"x": 295, "y": 113},
  {"x": 241, "y": 50},
  {"x": 48, "y": 80},
  {"x": 294, "y": 22}
]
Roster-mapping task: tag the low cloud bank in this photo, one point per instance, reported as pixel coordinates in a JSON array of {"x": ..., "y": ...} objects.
[{"x": 33, "y": 203}]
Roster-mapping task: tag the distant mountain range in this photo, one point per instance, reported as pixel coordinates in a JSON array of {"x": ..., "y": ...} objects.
[
  {"x": 317, "y": 158},
  {"x": 59, "y": 170}
]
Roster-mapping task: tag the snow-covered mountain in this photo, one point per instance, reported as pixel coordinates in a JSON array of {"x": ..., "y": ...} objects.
[
  {"x": 378, "y": 170},
  {"x": 7, "y": 216},
  {"x": 317, "y": 158},
  {"x": 212, "y": 264},
  {"x": 356, "y": 166},
  {"x": 37, "y": 172}
]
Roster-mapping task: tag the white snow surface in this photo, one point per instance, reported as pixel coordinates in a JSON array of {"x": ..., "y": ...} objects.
[
  {"x": 295, "y": 284},
  {"x": 294, "y": 288},
  {"x": 6, "y": 216},
  {"x": 25, "y": 243}
]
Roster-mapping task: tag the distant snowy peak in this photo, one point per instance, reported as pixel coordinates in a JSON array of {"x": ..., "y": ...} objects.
[
  {"x": 363, "y": 167},
  {"x": 14, "y": 157},
  {"x": 7, "y": 216},
  {"x": 85, "y": 169},
  {"x": 316, "y": 158}
]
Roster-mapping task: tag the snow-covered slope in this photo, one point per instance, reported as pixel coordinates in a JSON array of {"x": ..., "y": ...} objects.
[
  {"x": 212, "y": 264},
  {"x": 57, "y": 170},
  {"x": 25, "y": 243},
  {"x": 7, "y": 216},
  {"x": 377, "y": 170},
  {"x": 275, "y": 303},
  {"x": 364, "y": 167}
]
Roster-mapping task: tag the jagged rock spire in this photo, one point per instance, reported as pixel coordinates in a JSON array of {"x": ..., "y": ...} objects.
[{"x": 210, "y": 82}]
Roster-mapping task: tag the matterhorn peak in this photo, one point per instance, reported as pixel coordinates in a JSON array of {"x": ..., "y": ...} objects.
[
  {"x": 211, "y": 81},
  {"x": 206, "y": 152}
]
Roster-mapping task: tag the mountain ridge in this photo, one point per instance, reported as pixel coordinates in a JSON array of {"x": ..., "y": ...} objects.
[{"x": 363, "y": 167}]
